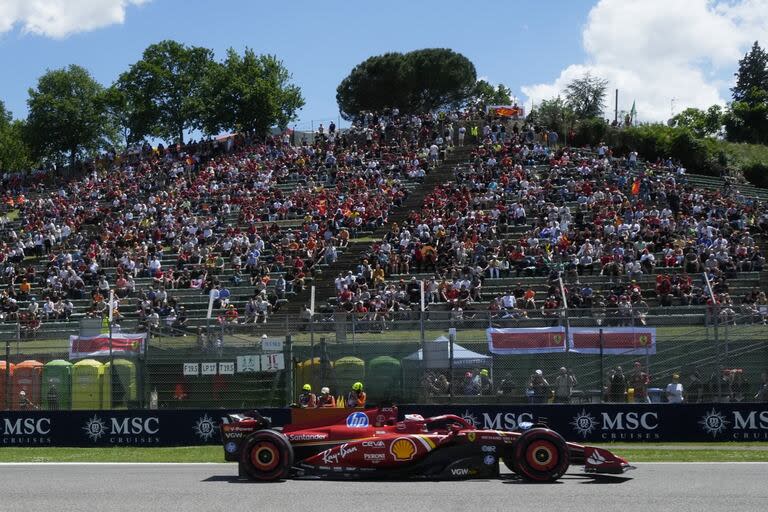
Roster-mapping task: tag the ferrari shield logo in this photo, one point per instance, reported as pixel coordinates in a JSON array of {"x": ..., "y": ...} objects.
[
  {"x": 557, "y": 339},
  {"x": 643, "y": 340},
  {"x": 471, "y": 436}
]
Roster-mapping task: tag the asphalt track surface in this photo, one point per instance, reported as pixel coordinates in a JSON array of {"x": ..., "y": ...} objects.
[{"x": 210, "y": 487}]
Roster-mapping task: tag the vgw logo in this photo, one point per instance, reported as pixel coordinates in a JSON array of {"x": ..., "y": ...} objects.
[
  {"x": 619, "y": 425},
  {"x": 746, "y": 425},
  {"x": 25, "y": 431},
  {"x": 128, "y": 430}
]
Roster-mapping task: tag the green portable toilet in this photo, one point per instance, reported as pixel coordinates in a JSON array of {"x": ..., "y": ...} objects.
[
  {"x": 57, "y": 385},
  {"x": 122, "y": 390},
  {"x": 348, "y": 370},
  {"x": 382, "y": 381},
  {"x": 87, "y": 377}
]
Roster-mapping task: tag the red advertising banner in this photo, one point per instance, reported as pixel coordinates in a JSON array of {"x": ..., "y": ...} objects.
[
  {"x": 99, "y": 346},
  {"x": 526, "y": 341},
  {"x": 615, "y": 340}
]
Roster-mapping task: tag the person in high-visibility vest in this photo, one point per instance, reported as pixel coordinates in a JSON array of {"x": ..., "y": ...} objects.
[
  {"x": 356, "y": 397},
  {"x": 326, "y": 399},
  {"x": 307, "y": 399}
]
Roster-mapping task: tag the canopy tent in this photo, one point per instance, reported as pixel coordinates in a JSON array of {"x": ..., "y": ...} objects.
[{"x": 438, "y": 356}]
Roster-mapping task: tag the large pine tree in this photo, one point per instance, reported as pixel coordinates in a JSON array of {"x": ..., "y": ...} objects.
[{"x": 752, "y": 75}]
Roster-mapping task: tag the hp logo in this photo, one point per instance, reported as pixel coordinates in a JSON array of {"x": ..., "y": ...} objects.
[{"x": 357, "y": 420}]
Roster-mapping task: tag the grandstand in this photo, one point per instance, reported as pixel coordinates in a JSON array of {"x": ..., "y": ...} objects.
[{"x": 488, "y": 229}]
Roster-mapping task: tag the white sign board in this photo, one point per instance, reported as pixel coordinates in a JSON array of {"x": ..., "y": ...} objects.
[
  {"x": 272, "y": 345},
  {"x": 247, "y": 364},
  {"x": 192, "y": 369},
  {"x": 226, "y": 368},
  {"x": 272, "y": 362},
  {"x": 209, "y": 368}
]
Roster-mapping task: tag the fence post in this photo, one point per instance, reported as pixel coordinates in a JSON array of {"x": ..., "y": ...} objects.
[
  {"x": 451, "y": 340},
  {"x": 602, "y": 363},
  {"x": 8, "y": 385},
  {"x": 289, "y": 382}
]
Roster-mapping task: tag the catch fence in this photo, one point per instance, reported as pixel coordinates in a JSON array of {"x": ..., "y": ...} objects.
[{"x": 438, "y": 357}]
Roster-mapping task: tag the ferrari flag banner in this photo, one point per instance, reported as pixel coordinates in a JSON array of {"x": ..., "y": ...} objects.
[
  {"x": 96, "y": 346},
  {"x": 526, "y": 341},
  {"x": 615, "y": 340}
]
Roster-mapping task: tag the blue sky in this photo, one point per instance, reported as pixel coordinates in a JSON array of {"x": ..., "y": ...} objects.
[{"x": 533, "y": 47}]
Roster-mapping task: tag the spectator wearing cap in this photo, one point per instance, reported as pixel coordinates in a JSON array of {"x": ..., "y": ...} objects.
[
  {"x": 307, "y": 399},
  {"x": 564, "y": 383},
  {"x": 674, "y": 390},
  {"x": 326, "y": 399},
  {"x": 538, "y": 388},
  {"x": 639, "y": 381}
]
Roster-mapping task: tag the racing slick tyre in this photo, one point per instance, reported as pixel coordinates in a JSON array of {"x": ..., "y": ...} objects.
[
  {"x": 540, "y": 455},
  {"x": 266, "y": 456}
]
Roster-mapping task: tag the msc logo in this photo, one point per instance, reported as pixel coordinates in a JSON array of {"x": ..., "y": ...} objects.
[
  {"x": 205, "y": 427},
  {"x": 26, "y": 426},
  {"x": 584, "y": 423},
  {"x": 96, "y": 428},
  {"x": 403, "y": 449},
  {"x": 357, "y": 420}
]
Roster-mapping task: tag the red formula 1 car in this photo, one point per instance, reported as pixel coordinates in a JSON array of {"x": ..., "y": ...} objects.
[{"x": 348, "y": 443}]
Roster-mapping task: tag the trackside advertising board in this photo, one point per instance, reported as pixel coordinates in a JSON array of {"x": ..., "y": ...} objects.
[
  {"x": 579, "y": 423},
  {"x": 536, "y": 340}
]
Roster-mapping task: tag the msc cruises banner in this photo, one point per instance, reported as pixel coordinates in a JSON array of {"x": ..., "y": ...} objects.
[{"x": 579, "y": 423}]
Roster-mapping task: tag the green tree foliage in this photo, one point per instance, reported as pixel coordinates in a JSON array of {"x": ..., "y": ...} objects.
[
  {"x": 485, "y": 93},
  {"x": 250, "y": 93},
  {"x": 66, "y": 115},
  {"x": 555, "y": 114},
  {"x": 747, "y": 119},
  {"x": 14, "y": 152},
  {"x": 752, "y": 75},
  {"x": 701, "y": 123},
  {"x": 418, "y": 81},
  {"x": 162, "y": 90},
  {"x": 586, "y": 96}
]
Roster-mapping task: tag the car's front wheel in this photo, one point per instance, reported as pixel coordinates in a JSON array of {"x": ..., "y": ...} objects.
[
  {"x": 267, "y": 455},
  {"x": 540, "y": 455}
]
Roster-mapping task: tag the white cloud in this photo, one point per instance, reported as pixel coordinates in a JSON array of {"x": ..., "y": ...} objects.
[
  {"x": 61, "y": 18},
  {"x": 657, "y": 50}
]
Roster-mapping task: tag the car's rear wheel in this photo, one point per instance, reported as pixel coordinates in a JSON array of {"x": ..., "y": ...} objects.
[
  {"x": 540, "y": 455},
  {"x": 266, "y": 456}
]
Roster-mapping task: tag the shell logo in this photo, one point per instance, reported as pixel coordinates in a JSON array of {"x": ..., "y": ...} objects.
[{"x": 403, "y": 449}]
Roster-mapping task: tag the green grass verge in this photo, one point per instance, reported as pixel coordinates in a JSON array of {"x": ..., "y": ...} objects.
[
  {"x": 715, "y": 452},
  {"x": 121, "y": 454}
]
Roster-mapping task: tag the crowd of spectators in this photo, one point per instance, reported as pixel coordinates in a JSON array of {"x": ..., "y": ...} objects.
[
  {"x": 238, "y": 212},
  {"x": 523, "y": 208}
]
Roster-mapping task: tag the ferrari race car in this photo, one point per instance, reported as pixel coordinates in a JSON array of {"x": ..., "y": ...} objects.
[{"x": 375, "y": 443}]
